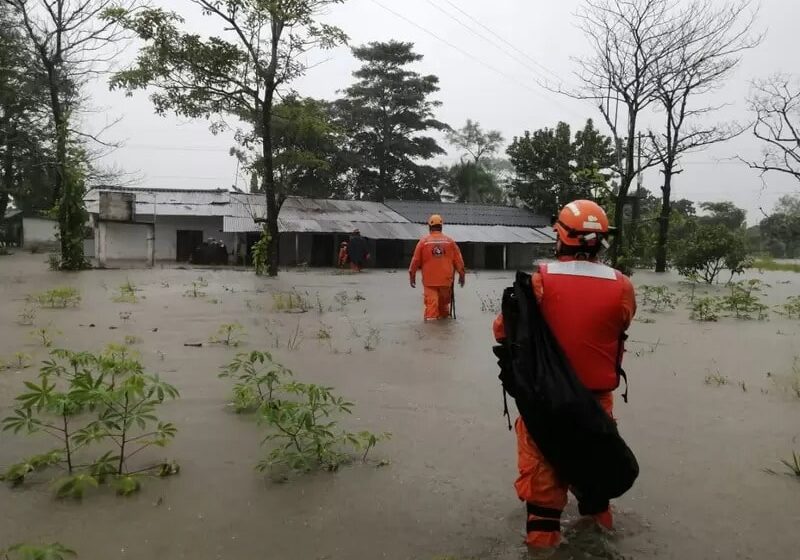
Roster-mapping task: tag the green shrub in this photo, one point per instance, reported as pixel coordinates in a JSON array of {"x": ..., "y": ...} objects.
[
  {"x": 256, "y": 377},
  {"x": 58, "y": 297},
  {"x": 303, "y": 426},
  {"x": 743, "y": 301},
  {"x": 54, "y": 551},
  {"x": 705, "y": 309},
  {"x": 228, "y": 334},
  {"x": 657, "y": 298},
  {"x": 82, "y": 400},
  {"x": 791, "y": 308}
]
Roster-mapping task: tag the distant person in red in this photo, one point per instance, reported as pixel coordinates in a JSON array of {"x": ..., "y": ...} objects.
[
  {"x": 342, "y": 254},
  {"x": 357, "y": 252}
]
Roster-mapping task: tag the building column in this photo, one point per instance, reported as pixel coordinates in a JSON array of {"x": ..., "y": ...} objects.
[
  {"x": 505, "y": 256},
  {"x": 297, "y": 249},
  {"x": 151, "y": 245},
  {"x": 101, "y": 245}
]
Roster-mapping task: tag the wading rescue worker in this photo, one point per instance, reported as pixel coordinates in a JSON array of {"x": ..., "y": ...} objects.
[
  {"x": 439, "y": 258},
  {"x": 588, "y": 306}
]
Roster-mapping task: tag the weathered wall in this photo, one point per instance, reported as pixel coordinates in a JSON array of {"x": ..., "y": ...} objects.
[
  {"x": 39, "y": 231},
  {"x": 129, "y": 241}
]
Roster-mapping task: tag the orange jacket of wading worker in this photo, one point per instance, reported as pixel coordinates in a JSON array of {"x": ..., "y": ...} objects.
[
  {"x": 588, "y": 306},
  {"x": 439, "y": 258}
]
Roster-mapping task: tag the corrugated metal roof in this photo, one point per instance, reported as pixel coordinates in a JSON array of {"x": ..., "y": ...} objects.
[
  {"x": 403, "y": 230},
  {"x": 169, "y": 202},
  {"x": 467, "y": 214},
  {"x": 361, "y": 211}
]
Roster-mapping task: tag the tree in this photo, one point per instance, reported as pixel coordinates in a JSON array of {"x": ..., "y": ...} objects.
[
  {"x": 472, "y": 182},
  {"x": 712, "y": 242},
  {"x": 385, "y": 114},
  {"x": 710, "y": 41},
  {"x": 306, "y": 148},
  {"x": 776, "y": 104},
  {"x": 626, "y": 37},
  {"x": 235, "y": 75},
  {"x": 781, "y": 229},
  {"x": 725, "y": 214},
  {"x": 474, "y": 141},
  {"x": 71, "y": 43},
  {"x": 710, "y": 248},
  {"x": 552, "y": 170}
]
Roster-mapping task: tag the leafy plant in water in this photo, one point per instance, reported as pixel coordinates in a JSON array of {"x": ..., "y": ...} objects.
[
  {"x": 290, "y": 302},
  {"x": 23, "y": 551},
  {"x": 228, "y": 334},
  {"x": 743, "y": 300},
  {"x": 304, "y": 427},
  {"x": 194, "y": 291},
  {"x": 58, "y": 297},
  {"x": 131, "y": 339},
  {"x": 342, "y": 299},
  {"x": 295, "y": 338},
  {"x": 658, "y": 298},
  {"x": 490, "y": 303},
  {"x": 256, "y": 378},
  {"x": 715, "y": 378},
  {"x": 126, "y": 293},
  {"x": 705, "y": 309},
  {"x": 54, "y": 261},
  {"x": 82, "y": 399},
  {"x": 791, "y": 308},
  {"x": 44, "y": 336},
  {"x": 27, "y": 316},
  {"x": 372, "y": 339}
]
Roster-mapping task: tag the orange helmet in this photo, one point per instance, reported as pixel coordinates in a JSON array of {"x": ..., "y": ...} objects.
[
  {"x": 582, "y": 223},
  {"x": 435, "y": 220}
]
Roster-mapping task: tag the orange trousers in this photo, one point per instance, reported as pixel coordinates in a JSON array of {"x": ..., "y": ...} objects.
[
  {"x": 437, "y": 302},
  {"x": 544, "y": 494}
]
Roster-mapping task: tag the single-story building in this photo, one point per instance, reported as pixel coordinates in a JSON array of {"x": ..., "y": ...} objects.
[
  {"x": 153, "y": 224},
  {"x": 495, "y": 237}
]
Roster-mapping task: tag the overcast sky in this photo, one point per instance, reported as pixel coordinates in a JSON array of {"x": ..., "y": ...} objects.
[{"x": 485, "y": 80}]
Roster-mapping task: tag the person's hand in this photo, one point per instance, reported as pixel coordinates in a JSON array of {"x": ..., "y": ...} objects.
[
  {"x": 412, "y": 282},
  {"x": 461, "y": 280}
]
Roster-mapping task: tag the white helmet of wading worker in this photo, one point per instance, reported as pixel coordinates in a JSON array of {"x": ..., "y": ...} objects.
[{"x": 582, "y": 223}]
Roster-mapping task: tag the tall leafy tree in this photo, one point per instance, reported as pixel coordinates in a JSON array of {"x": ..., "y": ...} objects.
[
  {"x": 552, "y": 168},
  {"x": 308, "y": 159},
  {"x": 386, "y": 114},
  {"x": 468, "y": 181},
  {"x": 476, "y": 143},
  {"x": 70, "y": 43},
  {"x": 236, "y": 74}
]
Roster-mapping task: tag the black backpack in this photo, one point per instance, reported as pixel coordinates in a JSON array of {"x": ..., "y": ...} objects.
[{"x": 562, "y": 416}]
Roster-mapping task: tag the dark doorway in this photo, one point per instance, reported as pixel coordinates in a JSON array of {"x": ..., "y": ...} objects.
[
  {"x": 321, "y": 250},
  {"x": 388, "y": 253},
  {"x": 468, "y": 254},
  {"x": 494, "y": 257},
  {"x": 188, "y": 239}
]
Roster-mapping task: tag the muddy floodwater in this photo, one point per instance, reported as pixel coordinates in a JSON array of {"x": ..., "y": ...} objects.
[{"x": 447, "y": 490}]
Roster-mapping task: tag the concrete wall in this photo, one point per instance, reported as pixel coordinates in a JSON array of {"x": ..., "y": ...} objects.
[
  {"x": 39, "y": 231},
  {"x": 129, "y": 241}
]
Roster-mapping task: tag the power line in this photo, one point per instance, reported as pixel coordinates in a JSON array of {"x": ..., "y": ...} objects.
[
  {"x": 501, "y": 38},
  {"x": 485, "y": 38},
  {"x": 475, "y": 59}
]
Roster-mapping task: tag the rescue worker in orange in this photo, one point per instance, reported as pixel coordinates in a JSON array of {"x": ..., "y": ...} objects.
[
  {"x": 439, "y": 258},
  {"x": 588, "y": 306}
]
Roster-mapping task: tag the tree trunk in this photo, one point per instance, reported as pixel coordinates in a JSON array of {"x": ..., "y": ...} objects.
[
  {"x": 626, "y": 179},
  {"x": 7, "y": 184},
  {"x": 268, "y": 180},
  {"x": 268, "y": 186},
  {"x": 663, "y": 221}
]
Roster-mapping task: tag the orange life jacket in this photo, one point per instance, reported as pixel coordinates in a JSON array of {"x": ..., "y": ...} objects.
[{"x": 583, "y": 305}]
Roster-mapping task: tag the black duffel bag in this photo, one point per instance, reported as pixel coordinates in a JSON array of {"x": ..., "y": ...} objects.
[{"x": 563, "y": 418}]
